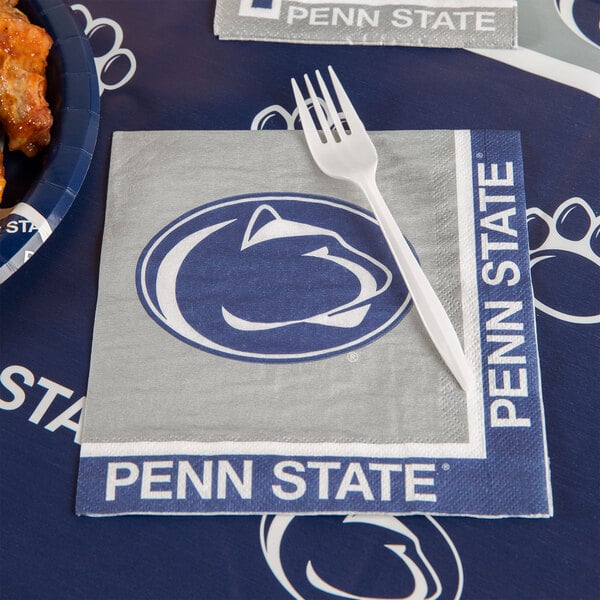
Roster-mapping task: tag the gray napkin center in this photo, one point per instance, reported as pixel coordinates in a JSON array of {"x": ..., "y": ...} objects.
[{"x": 149, "y": 383}]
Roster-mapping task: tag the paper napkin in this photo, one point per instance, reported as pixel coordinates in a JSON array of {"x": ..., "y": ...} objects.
[
  {"x": 434, "y": 23},
  {"x": 255, "y": 348}
]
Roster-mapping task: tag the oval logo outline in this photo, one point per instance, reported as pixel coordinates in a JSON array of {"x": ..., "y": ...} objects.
[{"x": 175, "y": 323}]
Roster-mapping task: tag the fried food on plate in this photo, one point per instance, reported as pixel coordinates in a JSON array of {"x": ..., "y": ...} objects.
[
  {"x": 2, "y": 179},
  {"x": 24, "y": 112}
]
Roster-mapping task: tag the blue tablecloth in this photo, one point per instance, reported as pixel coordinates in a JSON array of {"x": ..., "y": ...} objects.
[{"x": 170, "y": 72}]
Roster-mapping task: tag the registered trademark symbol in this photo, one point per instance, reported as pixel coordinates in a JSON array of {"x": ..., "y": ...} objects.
[
  {"x": 479, "y": 155},
  {"x": 352, "y": 357},
  {"x": 445, "y": 467}
]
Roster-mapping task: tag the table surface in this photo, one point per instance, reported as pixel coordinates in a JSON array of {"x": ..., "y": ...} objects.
[{"x": 170, "y": 72}]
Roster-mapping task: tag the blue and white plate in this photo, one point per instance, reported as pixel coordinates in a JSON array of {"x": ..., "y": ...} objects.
[{"x": 40, "y": 191}]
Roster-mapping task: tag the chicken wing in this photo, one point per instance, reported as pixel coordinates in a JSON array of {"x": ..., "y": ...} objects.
[
  {"x": 2, "y": 179},
  {"x": 24, "y": 112}
]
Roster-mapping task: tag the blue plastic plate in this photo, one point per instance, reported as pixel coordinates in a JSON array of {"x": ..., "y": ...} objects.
[{"x": 40, "y": 191}]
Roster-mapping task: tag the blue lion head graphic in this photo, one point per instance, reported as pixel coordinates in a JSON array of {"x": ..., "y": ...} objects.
[{"x": 272, "y": 277}]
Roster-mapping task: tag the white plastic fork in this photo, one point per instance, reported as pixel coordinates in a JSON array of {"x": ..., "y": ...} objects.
[{"x": 349, "y": 154}]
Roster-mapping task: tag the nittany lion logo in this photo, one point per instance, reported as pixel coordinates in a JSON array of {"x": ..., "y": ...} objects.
[
  {"x": 273, "y": 277},
  {"x": 582, "y": 17},
  {"x": 410, "y": 558}
]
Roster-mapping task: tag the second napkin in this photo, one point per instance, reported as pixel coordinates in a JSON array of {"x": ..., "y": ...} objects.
[{"x": 428, "y": 23}]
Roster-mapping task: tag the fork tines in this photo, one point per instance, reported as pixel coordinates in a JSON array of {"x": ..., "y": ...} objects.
[{"x": 325, "y": 121}]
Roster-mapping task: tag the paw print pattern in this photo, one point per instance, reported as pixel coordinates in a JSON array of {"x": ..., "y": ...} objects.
[
  {"x": 565, "y": 261},
  {"x": 277, "y": 117},
  {"x": 115, "y": 65}
]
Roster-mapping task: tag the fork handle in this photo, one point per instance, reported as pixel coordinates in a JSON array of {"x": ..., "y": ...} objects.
[{"x": 428, "y": 305}]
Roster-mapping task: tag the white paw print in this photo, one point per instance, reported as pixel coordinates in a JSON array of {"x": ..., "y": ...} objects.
[{"x": 565, "y": 261}]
